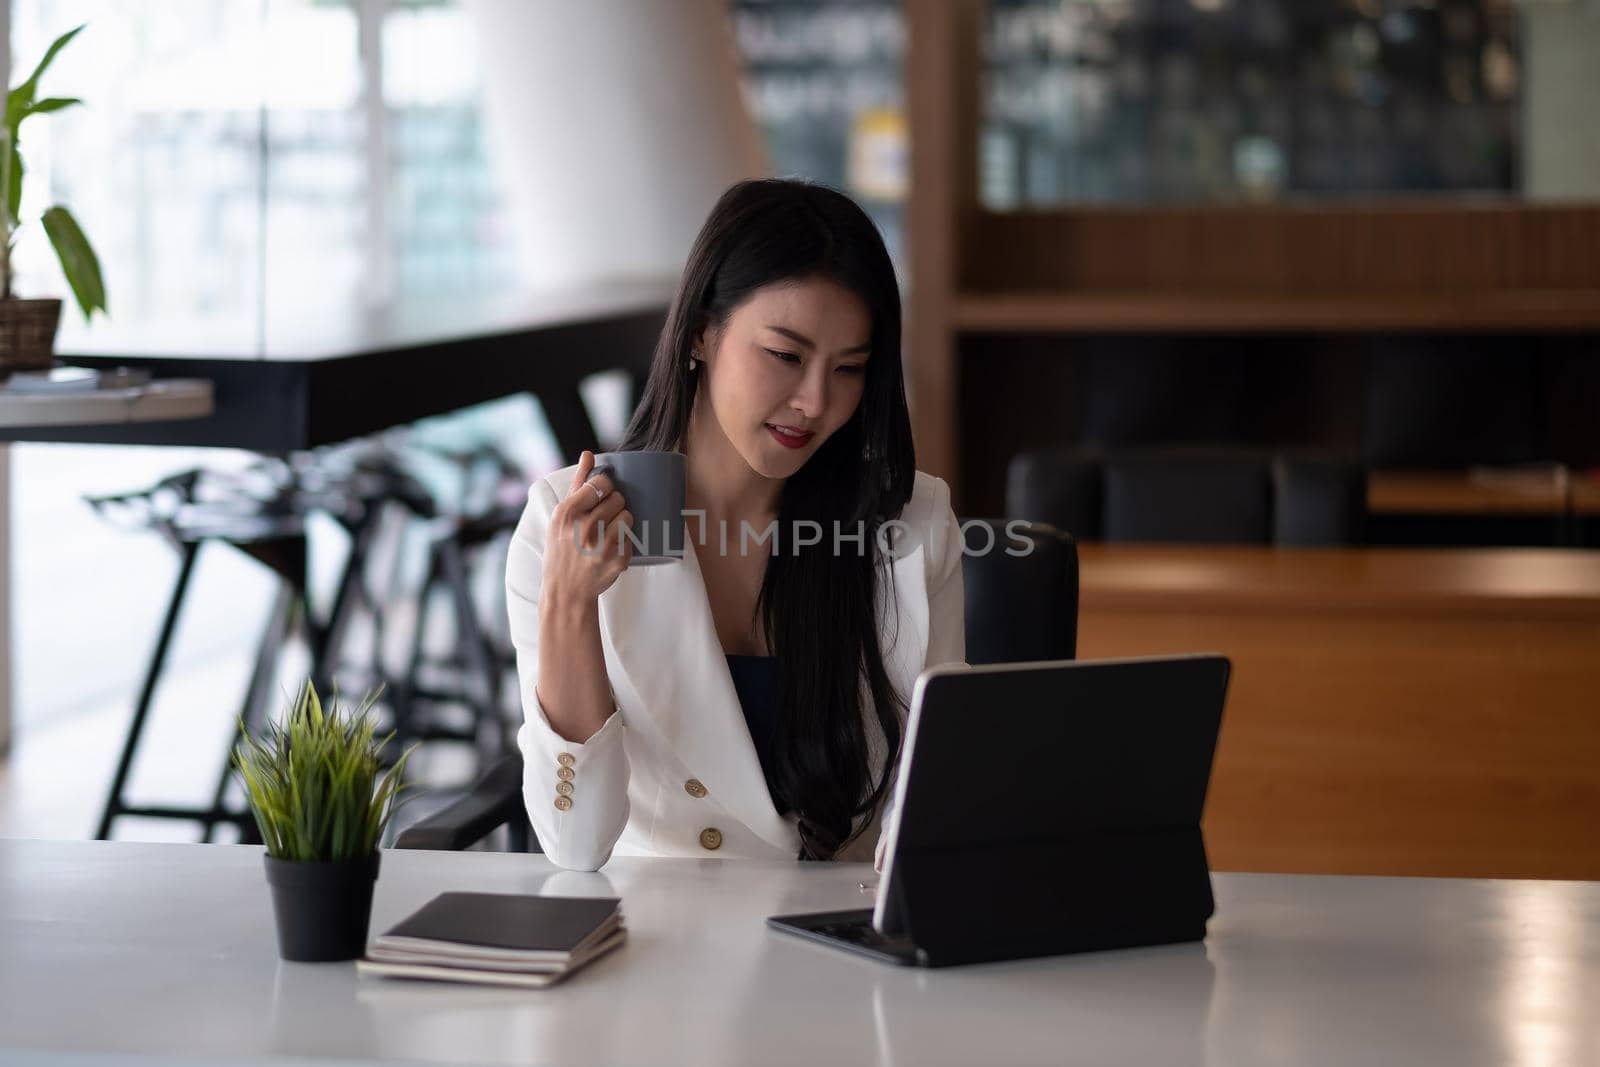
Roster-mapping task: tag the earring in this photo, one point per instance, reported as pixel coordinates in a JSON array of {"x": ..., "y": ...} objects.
[{"x": 693, "y": 362}]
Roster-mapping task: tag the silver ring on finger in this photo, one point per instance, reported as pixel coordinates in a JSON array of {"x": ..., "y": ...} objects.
[{"x": 598, "y": 494}]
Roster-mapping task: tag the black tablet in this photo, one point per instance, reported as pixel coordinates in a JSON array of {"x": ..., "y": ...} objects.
[{"x": 1044, "y": 808}]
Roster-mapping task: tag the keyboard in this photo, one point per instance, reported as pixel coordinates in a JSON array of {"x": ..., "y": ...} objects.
[{"x": 850, "y": 930}]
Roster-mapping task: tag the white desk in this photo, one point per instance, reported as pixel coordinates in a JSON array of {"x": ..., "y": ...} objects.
[{"x": 125, "y": 952}]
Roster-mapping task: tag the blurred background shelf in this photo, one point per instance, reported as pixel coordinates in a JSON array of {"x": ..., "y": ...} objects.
[
  {"x": 1363, "y": 229},
  {"x": 1112, "y": 312},
  {"x": 177, "y": 398},
  {"x": 1548, "y": 491}
]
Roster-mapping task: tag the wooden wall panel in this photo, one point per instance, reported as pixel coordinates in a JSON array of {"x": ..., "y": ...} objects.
[
  {"x": 942, "y": 91},
  {"x": 1374, "y": 248}
]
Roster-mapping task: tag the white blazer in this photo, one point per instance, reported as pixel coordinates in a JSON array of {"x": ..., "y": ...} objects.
[{"x": 673, "y": 771}]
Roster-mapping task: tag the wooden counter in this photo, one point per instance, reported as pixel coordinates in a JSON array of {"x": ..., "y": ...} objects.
[
  {"x": 1586, "y": 494},
  {"x": 1515, "y": 492},
  {"x": 1392, "y": 711}
]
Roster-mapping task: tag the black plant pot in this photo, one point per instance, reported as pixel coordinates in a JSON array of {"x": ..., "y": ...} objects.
[{"x": 322, "y": 908}]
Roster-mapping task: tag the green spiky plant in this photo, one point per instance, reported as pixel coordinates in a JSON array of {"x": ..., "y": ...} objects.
[
  {"x": 78, "y": 261},
  {"x": 313, "y": 781}
]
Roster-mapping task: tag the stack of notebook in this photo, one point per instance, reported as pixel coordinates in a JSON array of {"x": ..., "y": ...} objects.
[{"x": 497, "y": 939}]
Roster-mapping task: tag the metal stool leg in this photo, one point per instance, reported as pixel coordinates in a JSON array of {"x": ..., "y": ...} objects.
[
  {"x": 327, "y": 641},
  {"x": 257, "y": 695},
  {"x": 478, "y": 687},
  {"x": 479, "y": 658},
  {"x": 115, "y": 804},
  {"x": 407, "y": 723}
]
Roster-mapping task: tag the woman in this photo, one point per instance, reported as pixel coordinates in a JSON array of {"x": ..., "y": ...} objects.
[{"x": 747, "y": 701}]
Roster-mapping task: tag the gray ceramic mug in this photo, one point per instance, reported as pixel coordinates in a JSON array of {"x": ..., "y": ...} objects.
[{"x": 652, "y": 486}]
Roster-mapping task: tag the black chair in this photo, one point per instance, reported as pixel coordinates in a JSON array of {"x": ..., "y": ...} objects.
[
  {"x": 1196, "y": 496},
  {"x": 1021, "y": 587},
  {"x": 1318, "y": 502},
  {"x": 495, "y": 800},
  {"x": 1202, "y": 499},
  {"x": 1021, "y": 582},
  {"x": 1062, "y": 488}
]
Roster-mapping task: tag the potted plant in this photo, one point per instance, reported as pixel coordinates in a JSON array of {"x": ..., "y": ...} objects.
[
  {"x": 315, "y": 789},
  {"x": 28, "y": 327}
]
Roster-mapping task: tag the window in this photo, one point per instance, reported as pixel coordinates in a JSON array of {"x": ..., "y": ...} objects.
[
  {"x": 234, "y": 181},
  {"x": 824, "y": 81}
]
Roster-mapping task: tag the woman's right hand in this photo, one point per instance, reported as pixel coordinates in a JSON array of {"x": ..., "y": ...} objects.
[{"x": 578, "y": 565}]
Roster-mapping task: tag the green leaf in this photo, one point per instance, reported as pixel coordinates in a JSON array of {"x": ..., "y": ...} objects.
[
  {"x": 14, "y": 196},
  {"x": 21, "y": 98},
  {"x": 78, "y": 261},
  {"x": 311, "y": 780},
  {"x": 14, "y": 117},
  {"x": 51, "y": 103}
]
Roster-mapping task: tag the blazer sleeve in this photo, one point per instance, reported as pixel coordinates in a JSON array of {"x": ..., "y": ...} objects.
[
  {"x": 947, "y": 620},
  {"x": 582, "y": 836},
  {"x": 947, "y": 598}
]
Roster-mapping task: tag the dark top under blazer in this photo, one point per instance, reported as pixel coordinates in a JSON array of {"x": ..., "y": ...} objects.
[{"x": 755, "y": 679}]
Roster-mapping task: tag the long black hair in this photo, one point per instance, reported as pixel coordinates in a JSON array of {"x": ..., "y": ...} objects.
[{"x": 817, "y": 606}]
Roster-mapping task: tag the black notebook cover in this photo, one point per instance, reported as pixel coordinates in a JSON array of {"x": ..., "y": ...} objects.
[{"x": 513, "y": 922}]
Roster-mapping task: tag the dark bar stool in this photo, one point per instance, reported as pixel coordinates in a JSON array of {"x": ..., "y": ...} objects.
[
  {"x": 190, "y": 510},
  {"x": 431, "y": 697},
  {"x": 473, "y": 675},
  {"x": 457, "y": 696},
  {"x": 264, "y": 512}
]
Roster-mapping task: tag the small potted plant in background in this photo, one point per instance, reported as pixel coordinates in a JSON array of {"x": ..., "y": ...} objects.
[
  {"x": 314, "y": 785},
  {"x": 28, "y": 327}
]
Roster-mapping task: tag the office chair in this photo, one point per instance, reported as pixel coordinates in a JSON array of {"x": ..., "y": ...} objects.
[
  {"x": 1202, "y": 499},
  {"x": 1021, "y": 587},
  {"x": 1195, "y": 496}
]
